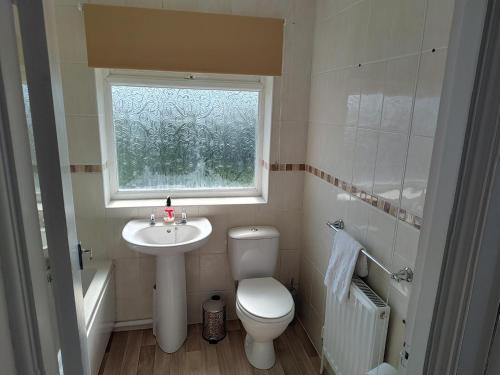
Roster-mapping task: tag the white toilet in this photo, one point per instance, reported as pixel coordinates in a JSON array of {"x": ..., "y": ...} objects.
[{"x": 263, "y": 304}]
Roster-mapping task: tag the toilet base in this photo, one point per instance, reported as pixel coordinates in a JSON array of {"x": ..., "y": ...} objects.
[{"x": 260, "y": 354}]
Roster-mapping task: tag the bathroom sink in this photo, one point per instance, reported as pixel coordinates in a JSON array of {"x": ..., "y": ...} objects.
[
  {"x": 170, "y": 243},
  {"x": 166, "y": 239}
]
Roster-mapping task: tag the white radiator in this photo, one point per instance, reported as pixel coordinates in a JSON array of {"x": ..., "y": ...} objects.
[{"x": 355, "y": 331}]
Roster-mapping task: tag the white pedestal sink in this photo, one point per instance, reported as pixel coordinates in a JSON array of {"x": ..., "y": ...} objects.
[{"x": 169, "y": 242}]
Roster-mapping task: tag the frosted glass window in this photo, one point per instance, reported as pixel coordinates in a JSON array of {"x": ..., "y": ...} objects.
[{"x": 171, "y": 138}]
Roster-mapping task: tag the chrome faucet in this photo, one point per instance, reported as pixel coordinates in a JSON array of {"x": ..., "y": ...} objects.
[
  {"x": 152, "y": 220},
  {"x": 183, "y": 219}
]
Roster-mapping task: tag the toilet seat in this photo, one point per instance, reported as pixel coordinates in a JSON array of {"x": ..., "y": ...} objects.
[
  {"x": 265, "y": 300},
  {"x": 284, "y": 319}
]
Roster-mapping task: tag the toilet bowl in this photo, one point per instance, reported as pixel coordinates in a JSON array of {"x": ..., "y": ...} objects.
[{"x": 265, "y": 308}]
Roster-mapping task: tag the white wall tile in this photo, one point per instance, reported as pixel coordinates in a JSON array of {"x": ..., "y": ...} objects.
[
  {"x": 391, "y": 156},
  {"x": 344, "y": 96},
  {"x": 438, "y": 23},
  {"x": 333, "y": 140},
  {"x": 355, "y": 41},
  {"x": 289, "y": 227},
  {"x": 291, "y": 99},
  {"x": 290, "y": 188},
  {"x": 192, "y": 272},
  {"x": 346, "y": 154},
  {"x": 217, "y": 242},
  {"x": 380, "y": 235},
  {"x": 417, "y": 173},
  {"x": 69, "y": 23},
  {"x": 407, "y": 243},
  {"x": 321, "y": 108},
  {"x": 297, "y": 69},
  {"x": 325, "y": 9},
  {"x": 379, "y": 29},
  {"x": 430, "y": 82},
  {"x": 318, "y": 293},
  {"x": 92, "y": 235},
  {"x": 305, "y": 282},
  {"x": 289, "y": 268},
  {"x": 398, "y": 93},
  {"x": 134, "y": 308},
  {"x": 356, "y": 220},
  {"x": 79, "y": 89},
  {"x": 314, "y": 143},
  {"x": 322, "y": 46},
  {"x": 379, "y": 281},
  {"x": 88, "y": 196},
  {"x": 348, "y": 36},
  {"x": 380, "y": 40},
  {"x": 214, "y": 272},
  {"x": 128, "y": 278},
  {"x": 83, "y": 139},
  {"x": 364, "y": 159},
  {"x": 319, "y": 248},
  {"x": 343, "y": 4},
  {"x": 372, "y": 95},
  {"x": 406, "y": 27},
  {"x": 147, "y": 266},
  {"x": 115, "y": 221},
  {"x": 194, "y": 314},
  {"x": 293, "y": 142}
]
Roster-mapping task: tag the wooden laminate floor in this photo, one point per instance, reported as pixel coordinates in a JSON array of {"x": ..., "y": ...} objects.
[{"x": 136, "y": 353}]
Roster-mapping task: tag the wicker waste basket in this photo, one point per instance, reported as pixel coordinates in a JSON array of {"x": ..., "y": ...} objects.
[{"x": 214, "y": 319}]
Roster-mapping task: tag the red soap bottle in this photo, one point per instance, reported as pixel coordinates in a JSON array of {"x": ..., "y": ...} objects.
[{"x": 169, "y": 212}]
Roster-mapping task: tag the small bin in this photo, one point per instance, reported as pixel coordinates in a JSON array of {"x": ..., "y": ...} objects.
[{"x": 214, "y": 319}]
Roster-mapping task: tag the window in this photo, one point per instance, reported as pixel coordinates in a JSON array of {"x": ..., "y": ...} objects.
[{"x": 193, "y": 136}]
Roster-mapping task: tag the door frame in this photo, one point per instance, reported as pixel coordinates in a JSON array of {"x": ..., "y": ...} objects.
[
  {"x": 443, "y": 269},
  {"x": 39, "y": 44},
  {"x": 23, "y": 267},
  {"x": 468, "y": 301}
]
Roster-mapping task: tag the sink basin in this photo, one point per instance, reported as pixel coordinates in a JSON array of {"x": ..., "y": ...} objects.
[
  {"x": 169, "y": 243},
  {"x": 166, "y": 239}
]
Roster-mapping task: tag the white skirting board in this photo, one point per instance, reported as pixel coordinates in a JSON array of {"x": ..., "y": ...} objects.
[{"x": 131, "y": 325}]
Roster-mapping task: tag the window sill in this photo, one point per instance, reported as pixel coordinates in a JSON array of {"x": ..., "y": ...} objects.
[{"x": 219, "y": 201}]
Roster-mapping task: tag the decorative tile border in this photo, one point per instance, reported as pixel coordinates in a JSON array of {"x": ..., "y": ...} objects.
[
  {"x": 373, "y": 200},
  {"x": 91, "y": 168},
  {"x": 287, "y": 167},
  {"x": 85, "y": 168}
]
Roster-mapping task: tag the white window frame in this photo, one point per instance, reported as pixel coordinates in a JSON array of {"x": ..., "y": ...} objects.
[{"x": 180, "y": 80}]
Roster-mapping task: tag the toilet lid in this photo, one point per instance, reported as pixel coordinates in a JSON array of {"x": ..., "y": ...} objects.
[{"x": 264, "y": 297}]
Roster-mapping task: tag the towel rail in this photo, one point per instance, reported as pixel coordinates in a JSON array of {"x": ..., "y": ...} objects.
[{"x": 404, "y": 274}]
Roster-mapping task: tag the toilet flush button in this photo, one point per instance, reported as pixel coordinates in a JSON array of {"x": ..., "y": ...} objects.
[{"x": 254, "y": 229}]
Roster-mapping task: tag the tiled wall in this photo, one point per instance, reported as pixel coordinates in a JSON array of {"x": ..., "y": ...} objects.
[
  {"x": 377, "y": 73},
  {"x": 207, "y": 269}
]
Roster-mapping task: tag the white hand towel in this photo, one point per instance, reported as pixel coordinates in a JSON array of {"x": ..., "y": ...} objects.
[
  {"x": 361, "y": 265},
  {"x": 343, "y": 260}
]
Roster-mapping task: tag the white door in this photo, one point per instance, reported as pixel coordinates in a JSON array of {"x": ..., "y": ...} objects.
[{"x": 44, "y": 293}]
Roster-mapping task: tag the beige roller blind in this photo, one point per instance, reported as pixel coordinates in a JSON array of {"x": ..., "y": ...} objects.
[{"x": 155, "y": 39}]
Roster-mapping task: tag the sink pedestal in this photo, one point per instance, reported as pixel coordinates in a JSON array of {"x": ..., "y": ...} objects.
[
  {"x": 169, "y": 243},
  {"x": 171, "y": 305}
]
